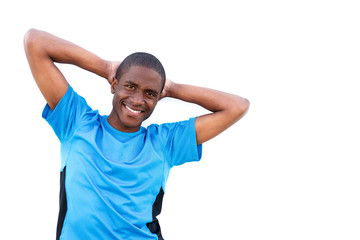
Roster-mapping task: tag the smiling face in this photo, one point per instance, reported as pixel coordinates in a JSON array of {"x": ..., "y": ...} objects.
[{"x": 136, "y": 94}]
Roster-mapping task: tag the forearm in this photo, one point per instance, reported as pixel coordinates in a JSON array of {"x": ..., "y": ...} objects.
[
  {"x": 211, "y": 99},
  {"x": 62, "y": 51},
  {"x": 226, "y": 108}
]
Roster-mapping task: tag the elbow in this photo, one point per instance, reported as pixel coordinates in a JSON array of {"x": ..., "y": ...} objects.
[
  {"x": 241, "y": 107},
  {"x": 31, "y": 39}
]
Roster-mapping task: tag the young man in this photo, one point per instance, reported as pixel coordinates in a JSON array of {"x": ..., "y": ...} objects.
[{"x": 113, "y": 170}]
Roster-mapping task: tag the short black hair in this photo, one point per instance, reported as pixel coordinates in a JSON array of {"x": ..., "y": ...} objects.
[{"x": 144, "y": 60}]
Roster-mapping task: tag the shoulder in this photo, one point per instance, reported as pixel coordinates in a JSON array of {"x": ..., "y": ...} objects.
[
  {"x": 70, "y": 113},
  {"x": 166, "y": 130},
  {"x": 70, "y": 102},
  {"x": 177, "y": 140}
]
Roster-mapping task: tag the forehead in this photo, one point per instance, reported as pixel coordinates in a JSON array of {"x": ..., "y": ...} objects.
[{"x": 144, "y": 77}]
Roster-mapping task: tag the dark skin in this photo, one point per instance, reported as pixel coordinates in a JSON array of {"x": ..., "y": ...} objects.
[{"x": 136, "y": 93}]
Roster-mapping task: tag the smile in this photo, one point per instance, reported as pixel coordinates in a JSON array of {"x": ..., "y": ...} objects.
[{"x": 132, "y": 110}]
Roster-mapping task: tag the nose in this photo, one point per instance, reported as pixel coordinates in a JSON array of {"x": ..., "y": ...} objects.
[{"x": 137, "y": 98}]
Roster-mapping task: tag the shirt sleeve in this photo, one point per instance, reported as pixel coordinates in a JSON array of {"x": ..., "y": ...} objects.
[
  {"x": 67, "y": 115},
  {"x": 179, "y": 141}
]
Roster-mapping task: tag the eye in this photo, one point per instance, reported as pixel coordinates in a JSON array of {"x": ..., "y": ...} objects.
[
  {"x": 151, "y": 94},
  {"x": 130, "y": 87}
]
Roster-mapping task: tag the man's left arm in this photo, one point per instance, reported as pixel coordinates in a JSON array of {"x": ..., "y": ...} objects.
[{"x": 226, "y": 108}]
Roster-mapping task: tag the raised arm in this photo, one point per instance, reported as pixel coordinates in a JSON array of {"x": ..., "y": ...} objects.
[
  {"x": 226, "y": 108},
  {"x": 43, "y": 50}
]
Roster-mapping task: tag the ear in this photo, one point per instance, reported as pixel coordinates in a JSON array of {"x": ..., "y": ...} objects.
[{"x": 114, "y": 83}]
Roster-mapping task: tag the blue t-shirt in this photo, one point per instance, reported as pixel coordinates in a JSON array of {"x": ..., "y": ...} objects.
[{"x": 114, "y": 179}]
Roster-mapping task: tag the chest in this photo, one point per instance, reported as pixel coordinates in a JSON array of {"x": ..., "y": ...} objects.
[{"x": 121, "y": 170}]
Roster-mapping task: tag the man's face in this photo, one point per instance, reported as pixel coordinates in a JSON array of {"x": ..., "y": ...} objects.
[{"x": 136, "y": 94}]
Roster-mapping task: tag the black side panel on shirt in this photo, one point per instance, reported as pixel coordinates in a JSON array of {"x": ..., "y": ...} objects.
[
  {"x": 154, "y": 226},
  {"x": 63, "y": 204}
]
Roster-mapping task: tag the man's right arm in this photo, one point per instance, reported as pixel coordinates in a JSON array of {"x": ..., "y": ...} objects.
[{"x": 43, "y": 50}]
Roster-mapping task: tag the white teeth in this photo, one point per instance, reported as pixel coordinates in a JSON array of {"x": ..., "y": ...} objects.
[{"x": 133, "y": 111}]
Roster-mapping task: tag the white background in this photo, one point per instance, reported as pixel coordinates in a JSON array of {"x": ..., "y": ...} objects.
[{"x": 288, "y": 170}]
